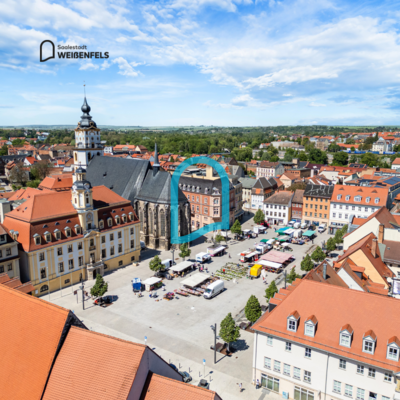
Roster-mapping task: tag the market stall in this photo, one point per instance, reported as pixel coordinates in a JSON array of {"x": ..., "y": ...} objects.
[
  {"x": 271, "y": 266},
  {"x": 309, "y": 234},
  {"x": 180, "y": 268},
  {"x": 283, "y": 238},
  {"x": 264, "y": 240},
  {"x": 277, "y": 257},
  {"x": 152, "y": 283}
]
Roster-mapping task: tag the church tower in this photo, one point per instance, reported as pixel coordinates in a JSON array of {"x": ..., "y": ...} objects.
[
  {"x": 87, "y": 139},
  {"x": 82, "y": 200}
]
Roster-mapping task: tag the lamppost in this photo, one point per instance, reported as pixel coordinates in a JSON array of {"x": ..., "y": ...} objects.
[
  {"x": 83, "y": 295},
  {"x": 214, "y": 328},
  {"x": 173, "y": 251}
]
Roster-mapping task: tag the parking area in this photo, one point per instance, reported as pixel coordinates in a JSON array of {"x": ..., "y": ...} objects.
[{"x": 179, "y": 330}]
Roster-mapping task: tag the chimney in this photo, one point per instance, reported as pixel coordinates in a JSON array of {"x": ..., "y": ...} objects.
[
  {"x": 324, "y": 271},
  {"x": 373, "y": 247},
  {"x": 381, "y": 233}
]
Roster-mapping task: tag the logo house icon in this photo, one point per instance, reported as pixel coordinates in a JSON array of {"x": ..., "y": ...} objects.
[{"x": 48, "y": 47}]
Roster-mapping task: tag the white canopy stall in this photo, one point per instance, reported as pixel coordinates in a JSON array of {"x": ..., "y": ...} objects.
[
  {"x": 195, "y": 280},
  {"x": 181, "y": 266}
]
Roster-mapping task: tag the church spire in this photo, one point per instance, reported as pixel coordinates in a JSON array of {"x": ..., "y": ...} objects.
[{"x": 156, "y": 165}]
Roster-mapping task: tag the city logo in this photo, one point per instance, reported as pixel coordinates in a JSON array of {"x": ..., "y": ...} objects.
[
  {"x": 224, "y": 224},
  {"x": 50, "y": 49}
]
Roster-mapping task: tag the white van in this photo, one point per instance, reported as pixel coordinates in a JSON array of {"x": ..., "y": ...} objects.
[
  {"x": 167, "y": 263},
  {"x": 296, "y": 225},
  {"x": 303, "y": 225},
  {"x": 321, "y": 228},
  {"x": 213, "y": 289},
  {"x": 142, "y": 245},
  {"x": 203, "y": 257}
]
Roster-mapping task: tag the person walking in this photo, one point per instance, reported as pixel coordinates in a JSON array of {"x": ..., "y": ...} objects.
[
  {"x": 240, "y": 388},
  {"x": 257, "y": 384}
]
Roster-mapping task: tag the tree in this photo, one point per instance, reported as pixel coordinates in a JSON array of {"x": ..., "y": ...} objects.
[
  {"x": 100, "y": 287},
  {"x": 252, "y": 309},
  {"x": 19, "y": 174},
  {"x": 298, "y": 185},
  {"x": 236, "y": 228},
  {"x": 333, "y": 147},
  {"x": 271, "y": 290},
  {"x": 353, "y": 159},
  {"x": 40, "y": 169},
  {"x": 340, "y": 158},
  {"x": 353, "y": 149},
  {"x": 317, "y": 156},
  {"x": 155, "y": 264},
  {"x": 330, "y": 245},
  {"x": 350, "y": 141},
  {"x": 185, "y": 251},
  {"x": 292, "y": 276},
  {"x": 4, "y": 150},
  {"x": 259, "y": 217},
  {"x": 219, "y": 238},
  {"x": 266, "y": 156},
  {"x": 370, "y": 159},
  {"x": 228, "y": 330},
  {"x": 344, "y": 230},
  {"x": 338, "y": 236},
  {"x": 303, "y": 156},
  {"x": 318, "y": 255},
  {"x": 307, "y": 264}
]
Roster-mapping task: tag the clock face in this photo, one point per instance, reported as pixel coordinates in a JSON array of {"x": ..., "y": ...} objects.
[
  {"x": 73, "y": 187},
  {"x": 89, "y": 217}
]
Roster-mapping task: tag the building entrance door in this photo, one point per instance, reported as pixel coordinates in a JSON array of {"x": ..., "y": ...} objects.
[{"x": 94, "y": 273}]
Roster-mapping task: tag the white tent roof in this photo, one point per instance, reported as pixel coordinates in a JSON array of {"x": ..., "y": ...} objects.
[
  {"x": 216, "y": 250},
  {"x": 289, "y": 231},
  {"x": 151, "y": 281},
  {"x": 195, "y": 279},
  {"x": 269, "y": 264},
  {"x": 181, "y": 266}
]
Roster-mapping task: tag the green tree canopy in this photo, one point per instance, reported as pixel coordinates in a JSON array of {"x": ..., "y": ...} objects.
[
  {"x": 333, "y": 147},
  {"x": 155, "y": 264},
  {"x": 228, "y": 330},
  {"x": 219, "y": 238},
  {"x": 271, "y": 290},
  {"x": 292, "y": 276},
  {"x": 331, "y": 244},
  {"x": 252, "y": 309},
  {"x": 340, "y": 158},
  {"x": 353, "y": 159},
  {"x": 307, "y": 264},
  {"x": 259, "y": 217},
  {"x": 370, "y": 159},
  {"x": 100, "y": 287},
  {"x": 236, "y": 228},
  {"x": 317, "y": 156},
  {"x": 185, "y": 251},
  {"x": 318, "y": 255}
]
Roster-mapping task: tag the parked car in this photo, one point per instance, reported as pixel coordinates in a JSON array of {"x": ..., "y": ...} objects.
[
  {"x": 103, "y": 300},
  {"x": 174, "y": 367},
  {"x": 142, "y": 245},
  {"x": 203, "y": 384},
  {"x": 321, "y": 228},
  {"x": 186, "y": 377}
]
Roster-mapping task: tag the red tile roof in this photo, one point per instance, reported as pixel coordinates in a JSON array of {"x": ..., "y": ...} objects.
[
  {"x": 30, "y": 334},
  {"x": 372, "y": 312},
  {"x": 365, "y": 193},
  {"x": 57, "y": 182}
]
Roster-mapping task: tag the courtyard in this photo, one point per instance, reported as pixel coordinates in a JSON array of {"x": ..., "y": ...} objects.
[{"x": 180, "y": 330}]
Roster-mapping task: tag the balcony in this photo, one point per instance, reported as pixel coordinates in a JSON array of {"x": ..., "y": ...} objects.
[{"x": 92, "y": 248}]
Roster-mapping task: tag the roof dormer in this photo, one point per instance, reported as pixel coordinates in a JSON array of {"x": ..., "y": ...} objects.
[
  {"x": 292, "y": 321},
  {"x": 357, "y": 198},
  {"x": 310, "y": 326},
  {"x": 393, "y": 349},
  {"x": 346, "y": 334},
  {"x": 347, "y": 198},
  {"x": 339, "y": 196},
  {"x": 369, "y": 342}
]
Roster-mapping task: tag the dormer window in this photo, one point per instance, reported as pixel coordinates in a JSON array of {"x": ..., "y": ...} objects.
[
  {"x": 368, "y": 199},
  {"x": 369, "y": 341},
  {"x": 47, "y": 235},
  {"x": 309, "y": 326},
  {"x": 77, "y": 229},
  {"x": 393, "y": 349},
  {"x": 377, "y": 200},
  {"x": 57, "y": 233},
  {"x": 339, "y": 196},
  {"x": 109, "y": 222},
  {"x": 347, "y": 198},
  {"x": 101, "y": 224},
  {"x": 37, "y": 239},
  {"x": 67, "y": 232},
  {"x": 117, "y": 220},
  {"x": 292, "y": 321},
  {"x": 131, "y": 216},
  {"x": 123, "y": 217},
  {"x": 357, "y": 198},
  {"x": 345, "y": 335}
]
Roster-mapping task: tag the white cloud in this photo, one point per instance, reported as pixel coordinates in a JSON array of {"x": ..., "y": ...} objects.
[
  {"x": 314, "y": 104},
  {"x": 89, "y": 66},
  {"x": 105, "y": 65},
  {"x": 125, "y": 68}
]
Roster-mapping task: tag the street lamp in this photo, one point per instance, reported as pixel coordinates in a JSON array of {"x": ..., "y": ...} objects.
[
  {"x": 83, "y": 295},
  {"x": 214, "y": 328},
  {"x": 172, "y": 251}
]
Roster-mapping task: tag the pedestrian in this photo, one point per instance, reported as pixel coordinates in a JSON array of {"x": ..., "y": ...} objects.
[
  {"x": 240, "y": 388},
  {"x": 257, "y": 384},
  {"x": 312, "y": 241}
]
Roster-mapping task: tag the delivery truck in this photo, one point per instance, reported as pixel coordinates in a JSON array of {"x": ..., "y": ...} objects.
[
  {"x": 261, "y": 248},
  {"x": 213, "y": 289},
  {"x": 203, "y": 257}
]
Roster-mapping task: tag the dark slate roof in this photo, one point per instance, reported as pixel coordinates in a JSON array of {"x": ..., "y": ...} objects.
[
  {"x": 263, "y": 183},
  {"x": 302, "y": 164},
  {"x": 247, "y": 183},
  {"x": 7, "y": 159},
  {"x": 157, "y": 188},
  {"x": 298, "y": 196},
  {"x": 353, "y": 165},
  {"x": 324, "y": 191},
  {"x": 202, "y": 183},
  {"x": 124, "y": 176}
]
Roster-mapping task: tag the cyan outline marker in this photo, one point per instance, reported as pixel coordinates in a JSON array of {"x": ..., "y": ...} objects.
[{"x": 224, "y": 224}]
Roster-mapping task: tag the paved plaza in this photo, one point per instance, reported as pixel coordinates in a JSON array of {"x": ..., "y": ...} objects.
[{"x": 179, "y": 330}]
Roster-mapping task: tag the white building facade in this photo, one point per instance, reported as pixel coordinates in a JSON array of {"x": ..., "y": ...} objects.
[{"x": 268, "y": 169}]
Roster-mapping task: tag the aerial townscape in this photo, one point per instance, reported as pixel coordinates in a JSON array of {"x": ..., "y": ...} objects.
[
  {"x": 199, "y": 200},
  {"x": 297, "y": 299}
]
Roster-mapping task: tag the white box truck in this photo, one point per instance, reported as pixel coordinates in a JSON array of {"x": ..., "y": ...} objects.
[
  {"x": 261, "y": 248},
  {"x": 203, "y": 257},
  {"x": 213, "y": 289}
]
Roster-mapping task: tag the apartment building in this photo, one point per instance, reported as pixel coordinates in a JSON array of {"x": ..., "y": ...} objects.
[
  {"x": 262, "y": 189},
  {"x": 356, "y": 201},
  {"x": 69, "y": 236},
  {"x": 278, "y": 208},
  {"x": 268, "y": 169},
  {"x": 247, "y": 186},
  {"x": 9, "y": 257},
  {"x": 316, "y": 204},
  {"x": 323, "y": 341},
  {"x": 297, "y": 205}
]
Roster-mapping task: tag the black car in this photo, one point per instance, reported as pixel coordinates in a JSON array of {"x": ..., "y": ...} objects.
[
  {"x": 103, "y": 300},
  {"x": 186, "y": 377},
  {"x": 174, "y": 367},
  {"x": 203, "y": 384}
]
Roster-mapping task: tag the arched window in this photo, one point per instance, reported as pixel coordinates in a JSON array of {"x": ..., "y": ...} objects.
[
  {"x": 162, "y": 223},
  {"x": 101, "y": 224},
  {"x": 87, "y": 199},
  {"x": 151, "y": 222},
  {"x": 44, "y": 288},
  {"x": 117, "y": 219}
]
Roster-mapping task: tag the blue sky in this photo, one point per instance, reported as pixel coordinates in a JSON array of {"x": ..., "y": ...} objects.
[{"x": 203, "y": 62}]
